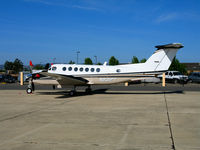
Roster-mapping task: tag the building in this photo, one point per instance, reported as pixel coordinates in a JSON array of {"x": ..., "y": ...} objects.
[{"x": 192, "y": 67}]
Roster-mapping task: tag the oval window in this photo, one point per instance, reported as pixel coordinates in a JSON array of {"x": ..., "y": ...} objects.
[
  {"x": 118, "y": 70},
  {"x": 75, "y": 69},
  {"x": 70, "y": 68},
  {"x": 98, "y": 69},
  {"x": 64, "y": 68},
  {"x": 86, "y": 69},
  {"x": 81, "y": 69},
  {"x": 92, "y": 69}
]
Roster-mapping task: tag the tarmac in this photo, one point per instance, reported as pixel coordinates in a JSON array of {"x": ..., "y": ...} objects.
[{"x": 104, "y": 120}]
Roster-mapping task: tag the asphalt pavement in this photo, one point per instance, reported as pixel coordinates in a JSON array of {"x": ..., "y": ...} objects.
[{"x": 115, "y": 87}]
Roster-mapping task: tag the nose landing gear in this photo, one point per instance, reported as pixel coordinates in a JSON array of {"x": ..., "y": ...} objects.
[{"x": 31, "y": 87}]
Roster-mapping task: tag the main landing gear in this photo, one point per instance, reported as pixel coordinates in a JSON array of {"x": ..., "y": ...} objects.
[{"x": 73, "y": 92}]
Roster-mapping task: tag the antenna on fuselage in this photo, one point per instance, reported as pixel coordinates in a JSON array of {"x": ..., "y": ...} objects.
[{"x": 105, "y": 63}]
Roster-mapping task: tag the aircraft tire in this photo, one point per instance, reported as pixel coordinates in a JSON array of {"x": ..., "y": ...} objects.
[
  {"x": 29, "y": 90},
  {"x": 72, "y": 93}
]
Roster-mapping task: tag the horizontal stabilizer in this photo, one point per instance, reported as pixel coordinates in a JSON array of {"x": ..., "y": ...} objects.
[{"x": 172, "y": 45}]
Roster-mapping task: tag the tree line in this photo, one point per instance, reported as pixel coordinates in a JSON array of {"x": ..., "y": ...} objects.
[
  {"x": 16, "y": 66},
  {"x": 112, "y": 61}
]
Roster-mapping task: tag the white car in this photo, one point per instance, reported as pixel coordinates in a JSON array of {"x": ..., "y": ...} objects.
[{"x": 175, "y": 77}]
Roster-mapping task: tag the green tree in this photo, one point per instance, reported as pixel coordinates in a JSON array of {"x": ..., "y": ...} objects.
[
  {"x": 38, "y": 67},
  {"x": 17, "y": 65},
  {"x": 8, "y": 65},
  {"x": 88, "y": 61},
  {"x": 113, "y": 61},
  {"x": 177, "y": 66},
  {"x": 99, "y": 63},
  {"x": 47, "y": 66},
  {"x": 143, "y": 60},
  {"x": 71, "y": 62},
  {"x": 135, "y": 60}
]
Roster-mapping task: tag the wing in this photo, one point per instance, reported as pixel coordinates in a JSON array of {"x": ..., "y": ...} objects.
[{"x": 66, "y": 79}]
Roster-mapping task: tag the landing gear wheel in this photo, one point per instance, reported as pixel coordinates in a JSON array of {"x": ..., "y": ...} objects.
[
  {"x": 88, "y": 90},
  {"x": 29, "y": 90},
  {"x": 72, "y": 93}
]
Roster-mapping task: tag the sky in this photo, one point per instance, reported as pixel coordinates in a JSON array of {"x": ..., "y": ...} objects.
[{"x": 47, "y": 31}]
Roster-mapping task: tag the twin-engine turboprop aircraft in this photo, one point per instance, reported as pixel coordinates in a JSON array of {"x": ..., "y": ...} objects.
[{"x": 87, "y": 75}]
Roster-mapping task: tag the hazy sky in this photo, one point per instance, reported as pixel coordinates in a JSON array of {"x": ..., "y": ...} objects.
[{"x": 41, "y": 30}]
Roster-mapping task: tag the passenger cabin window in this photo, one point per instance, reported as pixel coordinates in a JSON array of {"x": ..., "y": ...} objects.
[
  {"x": 50, "y": 68},
  {"x": 86, "y": 69},
  {"x": 70, "y": 68},
  {"x": 75, "y": 69},
  {"x": 81, "y": 69},
  {"x": 92, "y": 69},
  {"x": 118, "y": 70},
  {"x": 98, "y": 70},
  {"x": 54, "y": 68},
  {"x": 64, "y": 68}
]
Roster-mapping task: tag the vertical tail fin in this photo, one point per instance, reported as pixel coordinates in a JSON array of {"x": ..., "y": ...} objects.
[{"x": 163, "y": 56}]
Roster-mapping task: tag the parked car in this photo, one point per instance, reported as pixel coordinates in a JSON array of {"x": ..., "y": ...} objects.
[
  {"x": 175, "y": 77},
  {"x": 194, "y": 77},
  {"x": 7, "y": 78},
  {"x": 1, "y": 78}
]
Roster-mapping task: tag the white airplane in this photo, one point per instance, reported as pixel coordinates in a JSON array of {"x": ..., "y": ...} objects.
[{"x": 87, "y": 75}]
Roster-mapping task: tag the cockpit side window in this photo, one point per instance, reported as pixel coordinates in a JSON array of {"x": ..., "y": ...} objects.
[{"x": 54, "y": 68}]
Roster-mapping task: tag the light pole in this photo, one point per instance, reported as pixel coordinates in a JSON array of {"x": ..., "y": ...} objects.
[
  {"x": 95, "y": 59},
  {"x": 77, "y": 56}
]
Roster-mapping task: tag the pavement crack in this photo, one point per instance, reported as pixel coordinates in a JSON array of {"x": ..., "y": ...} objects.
[
  {"x": 169, "y": 122},
  {"x": 18, "y": 115}
]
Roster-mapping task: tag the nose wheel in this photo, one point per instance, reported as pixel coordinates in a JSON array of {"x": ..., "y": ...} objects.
[
  {"x": 31, "y": 87},
  {"x": 29, "y": 90}
]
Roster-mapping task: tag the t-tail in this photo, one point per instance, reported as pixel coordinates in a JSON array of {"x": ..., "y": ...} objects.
[{"x": 163, "y": 57}]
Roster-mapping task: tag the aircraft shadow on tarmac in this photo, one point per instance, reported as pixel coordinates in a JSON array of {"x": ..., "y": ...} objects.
[{"x": 65, "y": 94}]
